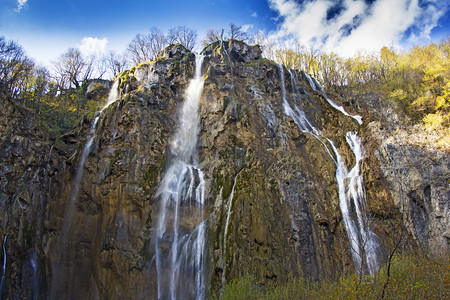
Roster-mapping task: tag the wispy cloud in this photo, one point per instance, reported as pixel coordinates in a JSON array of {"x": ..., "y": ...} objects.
[
  {"x": 93, "y": 46},
  {"x": 246, "y": 27},
  {"x": 254, "y": 14},
  {"x": 349, "y": 25},
  {"x": 21, "y": 4}
]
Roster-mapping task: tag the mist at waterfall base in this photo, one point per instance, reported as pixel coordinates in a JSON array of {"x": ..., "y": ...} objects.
[{"x": 180, "y": 235}]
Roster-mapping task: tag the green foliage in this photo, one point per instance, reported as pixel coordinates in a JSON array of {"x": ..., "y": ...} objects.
[
  {"x": 15, "y": 68},
  {"x": 241, "y": 288},
  {"x": 412, "y": 276},
  {"x": 58, "y": 106}
]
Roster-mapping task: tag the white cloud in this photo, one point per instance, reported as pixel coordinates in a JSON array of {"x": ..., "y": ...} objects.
[
  {"x": 254, "y": 14},
  {"x": 93, "y": 46},
  {"x": 246, "y": 27},
  {"x": 356, "y": 24},
  {"x": 20, "y": 4}
]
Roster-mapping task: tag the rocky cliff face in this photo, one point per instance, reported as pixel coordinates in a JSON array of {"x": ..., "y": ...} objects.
[
  {"x": 272, "y": 196},
  {"x": 417, "y": 174}
]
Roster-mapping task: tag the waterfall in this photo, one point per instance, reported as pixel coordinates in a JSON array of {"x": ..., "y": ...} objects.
[
  {"x": 59, "y": 273},
  {"x": 227, "y": 56},
  {"x": 311, "y": 82},
  {"x": 34, "y": 276},
  {"x": 180, "y": 237},
  {"x": 4, "y": 266},
  {"x": 225, "y": 232},
  {"x": 316, "y": 86},
  {"x": 50, "y": 155},
  {"x": 112, "y": 97},
  {"x": 356, "y": 194},
  {"x": 363, "y": 242}
]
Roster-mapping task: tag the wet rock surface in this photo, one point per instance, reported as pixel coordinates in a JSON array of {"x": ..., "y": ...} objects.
[{"x": 284, "y": 218}]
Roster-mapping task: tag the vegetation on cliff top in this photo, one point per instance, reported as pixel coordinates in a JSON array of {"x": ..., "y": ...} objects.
[{"x": 417, "y": 81}]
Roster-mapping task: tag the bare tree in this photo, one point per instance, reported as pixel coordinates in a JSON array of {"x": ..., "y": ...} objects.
[
  {"x": 100, "y": 66},
  {"x": 72, "y": 68},
  {"x": 258, "y": 38},
  {"x": 212, "y": 35},
  {"x": 115, "y": 63},
  {"x": 183, "y": 35},
  {"x": 146, "y": 47},
  {"x": 236, "y": 32},
  {"x": 139, "y": 49},
  {"x": 41, "y": 81},
  {"x": 158, "y": 41},
  {"x": 15, "y": 67}
]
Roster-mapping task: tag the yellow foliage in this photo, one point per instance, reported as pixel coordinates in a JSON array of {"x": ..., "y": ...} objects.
[
  {"x": 433, "y": 121},
  {"x": 398, "y": 94}
]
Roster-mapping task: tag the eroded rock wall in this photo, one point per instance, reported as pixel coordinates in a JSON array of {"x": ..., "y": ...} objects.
[{"x": 283, "y": 218}]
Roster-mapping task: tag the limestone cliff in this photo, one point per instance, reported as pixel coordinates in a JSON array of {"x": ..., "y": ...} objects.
[{"x": 272, "y": 197}]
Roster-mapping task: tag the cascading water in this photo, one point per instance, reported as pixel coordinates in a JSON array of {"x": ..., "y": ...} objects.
[
  {"x": 316, "y": 86},
  {"x": 112, "y": 97},
  {"x": 3, "y": 267},
  {"x": 225, "y": 232},
  {"x": 363, "y": 241},
  {"x": 58, "y": 277},
  {"x": 227, "y": 56},
  {"x": 351, "y": 191},
  {"x": 34, "y": 276},
  {"x": 311, "y": 82},
  {"x": 180, "y": 236},
  {"x": 49, "y": 155}
]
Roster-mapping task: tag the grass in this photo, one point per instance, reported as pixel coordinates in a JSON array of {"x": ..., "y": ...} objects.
[{"x": 412, "y": 276}]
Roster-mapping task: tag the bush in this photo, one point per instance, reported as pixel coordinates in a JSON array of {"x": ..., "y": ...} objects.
[{"x": 412, "y": 276}]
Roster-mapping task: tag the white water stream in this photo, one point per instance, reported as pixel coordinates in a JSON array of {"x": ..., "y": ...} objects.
[
  {"x": 3, "y": 267},
  {"x": 49, "y": 155},
  {"x": 112, "y": 97},
  {"x": 59, "y": 273},
  {"x": 180, "y": 237},
  {"x": 225, "y": 232},
  {"x": 34, "y": 276},
  {"x": 316, "y": 86},
  {"x": 363, "y": 242}
]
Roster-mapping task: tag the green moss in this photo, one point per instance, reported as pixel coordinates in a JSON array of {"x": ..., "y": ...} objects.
[
  {"x": 221, "y": 181},
  {"x": 159, "y": 59},
  {"x": 257, "y": 63},
  {"x": 150, "y": 178},
  {"x": 125, "y": 78}
]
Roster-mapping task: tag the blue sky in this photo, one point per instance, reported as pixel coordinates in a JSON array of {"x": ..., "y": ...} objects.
[{"x": 47, "y": 28}]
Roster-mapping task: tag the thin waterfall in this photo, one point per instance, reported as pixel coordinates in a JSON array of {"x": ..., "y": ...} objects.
[
  {"x": 180, "y": 237},
  {"x": 227, "y": 56},
  {"x": 311, "y": 82},
  {"x": 58, "y": 275},
  {"x": 34, "y": 276},
  {"x": 225, "y": 232},
  {"x": 356, "y": 194},
  {"x": 50, "y": 154},
  {"x": 2, "y": 281},
  {"x": 316, "y": 86},
  {"x": 363, "y": 242},
  {"x": 112, "y": 97}
]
